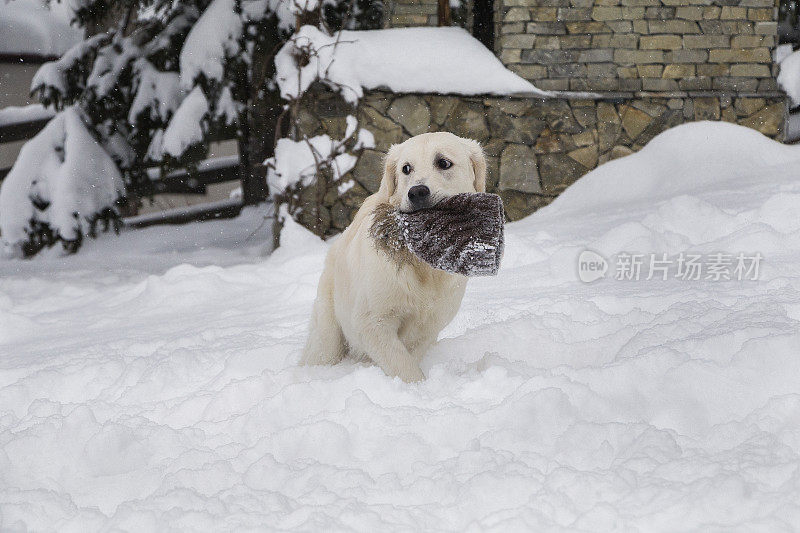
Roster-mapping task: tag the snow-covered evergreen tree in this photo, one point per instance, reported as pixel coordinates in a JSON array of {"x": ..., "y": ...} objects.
[{"x": 152, "y": 88}]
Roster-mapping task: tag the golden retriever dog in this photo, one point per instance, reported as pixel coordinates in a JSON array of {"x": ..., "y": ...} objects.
[{"x": 373, "y": 306}]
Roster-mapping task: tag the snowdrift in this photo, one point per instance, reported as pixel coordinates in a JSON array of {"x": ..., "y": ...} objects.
[{"x": 139, "y": 395}]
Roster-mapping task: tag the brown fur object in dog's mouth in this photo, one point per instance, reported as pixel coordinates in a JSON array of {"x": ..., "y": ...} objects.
[{"x": 462, "y": 234}]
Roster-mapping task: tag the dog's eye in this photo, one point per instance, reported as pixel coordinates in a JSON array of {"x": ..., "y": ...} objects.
[
  {"x": 406, "y": 169},
  {"x": 443, "y": 163}
]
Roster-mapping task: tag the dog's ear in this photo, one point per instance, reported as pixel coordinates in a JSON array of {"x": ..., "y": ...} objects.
[
  {"x": 478, "y": 160},
  {"x": 389, "y": 180}
]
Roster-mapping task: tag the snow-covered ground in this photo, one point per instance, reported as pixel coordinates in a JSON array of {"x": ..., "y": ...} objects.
[{"x": 150, "y": 382}]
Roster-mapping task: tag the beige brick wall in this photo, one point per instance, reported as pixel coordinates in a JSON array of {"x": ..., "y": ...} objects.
[
  {"x": 404, "y": 13},
  {"x": 653, "y": 46}
]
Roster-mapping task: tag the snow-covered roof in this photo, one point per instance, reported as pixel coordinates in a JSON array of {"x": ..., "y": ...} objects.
[
  {"x": 424, "y": 60},
  {"x": 30, "y": 27}
]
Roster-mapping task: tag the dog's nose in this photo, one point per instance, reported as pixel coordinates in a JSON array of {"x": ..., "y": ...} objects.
[{"x": 419, "y": 194}]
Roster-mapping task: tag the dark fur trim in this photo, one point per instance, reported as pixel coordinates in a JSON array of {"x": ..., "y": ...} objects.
[
  {"x": 387, "y": 233},
  {"x": 462, "y": 234}
]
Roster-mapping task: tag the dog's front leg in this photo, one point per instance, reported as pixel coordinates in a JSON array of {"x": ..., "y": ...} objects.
[{"x": 382, "y": 344}]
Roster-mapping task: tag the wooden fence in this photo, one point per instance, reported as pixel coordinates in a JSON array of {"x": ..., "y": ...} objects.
[{"x": 181, "y": 181}]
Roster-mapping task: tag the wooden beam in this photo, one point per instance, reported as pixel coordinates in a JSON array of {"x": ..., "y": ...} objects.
[
  {"x": 21, "y": 131},
  {"x": 211, "y": 211},
  {"x": 26, "y": 59},
  {"x": 184, "y": 182},
  {"x": 444, "y": 16}
]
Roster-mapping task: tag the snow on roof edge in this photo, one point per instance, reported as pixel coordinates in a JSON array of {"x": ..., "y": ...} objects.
[{"x": 403, "y": 60}]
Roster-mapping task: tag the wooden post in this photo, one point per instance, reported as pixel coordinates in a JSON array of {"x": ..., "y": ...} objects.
[{"x": 444, "y": 18}]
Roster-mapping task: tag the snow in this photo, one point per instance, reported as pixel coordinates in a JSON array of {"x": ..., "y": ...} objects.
[
  {"x": 65, "y": 168},
  {"x": 53, "y": 73},
  {"x": 227, "y": 108},
  {"x": 789, "y": 76},
  {"x": 781, "y": 52},
  {"x": 34, "y": 27},
  {"x": 653, "y": 178},
  {"x": 789, "y": 80},
  {"x": 150, "y": 382},
  {"x": 212, "y": 40},
  {"x": 284, "y": 10},
  {"x": 296, "y": 162},
  {"x": 186, "y": 126},
  {"x": 158, "y": 93},
  {"x": 28, "y": 113},
  {"x": 429, "y": 60},
  {"x": 345, "y": 186},
  {"x": 110, "y": 63}
]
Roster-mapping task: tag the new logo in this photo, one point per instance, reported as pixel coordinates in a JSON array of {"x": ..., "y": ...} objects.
[{"x": 591, "y": 266}]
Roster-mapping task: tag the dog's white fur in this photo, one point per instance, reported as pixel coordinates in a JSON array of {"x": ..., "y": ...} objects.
[{"x": 369, "y": 306}]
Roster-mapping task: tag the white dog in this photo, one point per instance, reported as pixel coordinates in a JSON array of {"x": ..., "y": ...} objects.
[{"x": 374, "y": 307}]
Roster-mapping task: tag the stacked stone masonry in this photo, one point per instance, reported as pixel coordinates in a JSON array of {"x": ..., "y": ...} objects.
[
  {"x": 656, "y": 46},
  {"x": 405, "y": 13},
  {"x": 535, "y": 147}
]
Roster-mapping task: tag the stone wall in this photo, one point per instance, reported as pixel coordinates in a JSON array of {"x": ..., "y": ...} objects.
[
  {"x": 640, "y": 45},
  {"x": 535, "y": 147}
]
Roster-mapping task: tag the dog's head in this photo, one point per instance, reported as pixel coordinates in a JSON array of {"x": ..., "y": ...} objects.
[{"x": 430, "y": 167}]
